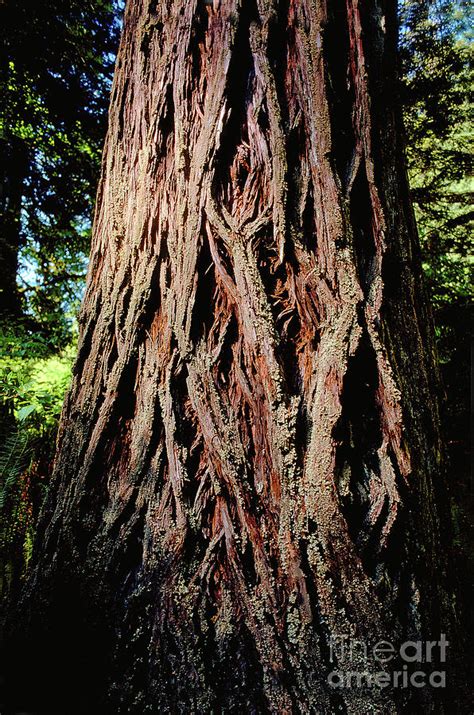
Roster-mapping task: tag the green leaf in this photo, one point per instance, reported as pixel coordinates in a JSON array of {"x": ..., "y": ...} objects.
[{"x": 25, "y": 412}]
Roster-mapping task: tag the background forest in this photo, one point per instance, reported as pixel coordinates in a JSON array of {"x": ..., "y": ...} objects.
[{"x": 56, "y": 64}]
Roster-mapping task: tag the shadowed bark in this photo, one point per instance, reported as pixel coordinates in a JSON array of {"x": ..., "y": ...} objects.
[{"x": 249, "y": 459}]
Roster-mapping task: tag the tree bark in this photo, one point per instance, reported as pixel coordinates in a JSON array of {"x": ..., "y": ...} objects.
[{"x": 249, "y": 461}]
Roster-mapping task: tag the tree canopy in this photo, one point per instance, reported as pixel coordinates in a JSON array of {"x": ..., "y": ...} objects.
[
  {"x": 56, "y": 63},
  {"x": 436, "y": 55}
]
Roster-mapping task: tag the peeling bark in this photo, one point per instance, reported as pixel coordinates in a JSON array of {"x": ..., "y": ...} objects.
[{"x": 249, "y": 458}]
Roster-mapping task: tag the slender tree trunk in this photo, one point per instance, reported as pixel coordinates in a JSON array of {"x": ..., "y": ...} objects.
[
  {"x": 249, "y": 460},
  {"x": 12, "y": 177}
]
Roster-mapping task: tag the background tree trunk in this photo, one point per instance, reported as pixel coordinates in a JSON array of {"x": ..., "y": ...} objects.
[
  {"x": 12, "y": 177},
  {"x": 249, "y": 461}
]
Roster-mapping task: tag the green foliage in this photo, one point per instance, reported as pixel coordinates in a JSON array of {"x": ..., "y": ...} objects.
[
  {"x": 13, "y": 461},
  {"x": 437, "y": 84},
  {"x": 436, "y": 53},
  {"x": 15, "y": 525},
  {"x": 33, "y": 381},
  {"x": 56, "y": 63}
]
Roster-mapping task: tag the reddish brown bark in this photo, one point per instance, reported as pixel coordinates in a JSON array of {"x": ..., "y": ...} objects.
[{"x": 249, "y": 456}]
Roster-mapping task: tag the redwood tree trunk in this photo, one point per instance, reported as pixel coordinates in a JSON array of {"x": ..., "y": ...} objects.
[{"x": 249, "y": 457}]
